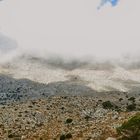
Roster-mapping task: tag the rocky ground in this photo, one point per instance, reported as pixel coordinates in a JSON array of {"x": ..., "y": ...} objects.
[
  {"x": 42, "y": 103},
  {"x": 62, "y": 117}
]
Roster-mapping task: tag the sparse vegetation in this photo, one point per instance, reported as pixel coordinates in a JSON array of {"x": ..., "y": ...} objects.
[
  {"x": 69, "y": 120},
  {"x": 130, "y": 130},
  {"x": 120, "y": 99},
  {"x": 107, "y": 105},
  {"x": 87, "y": 117},
  {"x": 62, "y": 137},
  {"x": 131, "y": 107},
  {"x": 126, "y": 96},
  {"x": 132, "y": 99},
  {"x": 10, "y": 136},
  {"x": 68, "y": 136},
  {"x": 56, "y": 118},
  {"x": 110, "y": 105}
]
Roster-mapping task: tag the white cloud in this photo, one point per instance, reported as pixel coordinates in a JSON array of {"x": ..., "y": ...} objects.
[{"x": 72, "y": 27}]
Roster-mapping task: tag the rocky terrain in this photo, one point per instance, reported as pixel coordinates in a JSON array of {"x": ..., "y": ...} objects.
[
  {"x": 65, "y": 102},
  {"x": 61, "y": 110},
  {"x": 61, "y": 117}
]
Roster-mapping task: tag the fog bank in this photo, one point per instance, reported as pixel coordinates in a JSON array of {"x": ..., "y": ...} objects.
[{"x": 72, "y": 29}]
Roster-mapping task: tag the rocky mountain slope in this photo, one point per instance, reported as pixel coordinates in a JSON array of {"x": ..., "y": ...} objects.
[{"x": 45, "y": 100}]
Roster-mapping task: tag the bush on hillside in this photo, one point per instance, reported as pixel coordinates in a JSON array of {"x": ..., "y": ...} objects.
[{"x": 130, "y": 130}]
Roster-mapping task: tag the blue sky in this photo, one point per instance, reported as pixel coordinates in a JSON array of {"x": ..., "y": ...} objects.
[{"x": 112, "y": 2}]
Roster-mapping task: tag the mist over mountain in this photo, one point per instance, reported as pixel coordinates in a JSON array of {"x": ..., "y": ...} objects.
[
  {"x": 7, "y": 44},
  {"x": 82, "y": 45},
  {"x": 69, "y": 69}
]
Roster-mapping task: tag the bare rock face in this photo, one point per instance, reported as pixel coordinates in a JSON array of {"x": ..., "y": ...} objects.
[{"x": 23, "y": 89}]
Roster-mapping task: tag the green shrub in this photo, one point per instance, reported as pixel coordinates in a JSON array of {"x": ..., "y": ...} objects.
[
  {"x": 130, "y": 130},
  {"x": 109, "y": 105},
  {"x": 131, "y": 107},
  {"x": 10, "y": 136},
  {"x": 132, "y": 99},
  {"x": 69, "y": 120},
  {"x": 62, "y": 137},
  {"x": 68, "y": 136},
  {"x": 120, "y": 99}
]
